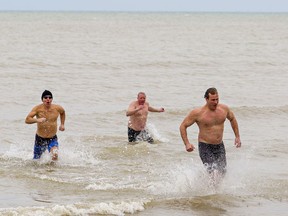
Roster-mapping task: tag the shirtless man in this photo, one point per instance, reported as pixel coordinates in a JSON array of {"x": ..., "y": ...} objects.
[
  {"x": 46, "y": 119},
  {"x": 210, "y": 119},
  {"x": 138, "y": 113}
]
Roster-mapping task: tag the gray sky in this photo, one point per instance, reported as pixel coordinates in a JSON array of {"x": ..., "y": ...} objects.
[{"x": 147, "y": 5}]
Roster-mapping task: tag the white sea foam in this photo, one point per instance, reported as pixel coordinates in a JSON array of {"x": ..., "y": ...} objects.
[{"x": 112, "y": 208}]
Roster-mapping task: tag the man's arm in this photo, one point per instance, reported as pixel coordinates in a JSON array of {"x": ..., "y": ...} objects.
[
  {"x": 62, "y": 118},
  {"x": 234, "y": 124},
  {"x": 152, "y": 109},
  {"x": 132, "y": 110},
  {"x": 30, "y": 117},
  {"x": 187, "y": 122}
]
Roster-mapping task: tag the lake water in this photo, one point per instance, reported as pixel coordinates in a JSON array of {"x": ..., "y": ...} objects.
[{"x": 95, "y": 64}]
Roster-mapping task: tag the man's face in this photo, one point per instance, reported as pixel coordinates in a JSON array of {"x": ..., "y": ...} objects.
[
  {"x": 47, "y": 100},
  {"x": 141, "y": 99},
  {"x": 212, "y": 101}
]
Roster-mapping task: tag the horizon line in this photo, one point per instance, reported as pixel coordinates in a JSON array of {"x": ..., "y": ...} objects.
[{"x": 143, "y": 11}]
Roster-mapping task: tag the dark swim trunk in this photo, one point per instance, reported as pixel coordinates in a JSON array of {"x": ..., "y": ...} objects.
[
  {"x": 41, "y": 144},
  {"x": 213, "y": 156},
  {"x": 143, "y": 135}
]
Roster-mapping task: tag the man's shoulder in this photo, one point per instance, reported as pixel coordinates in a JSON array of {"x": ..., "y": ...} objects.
[
  {"x": 57, "y": 107},
  {"x": 223, "y": 106},
  {"x": 200, "y": 109},
  {"x": 38, "y": 107},
  {"x": 133, "y": 103},
  {"x": 197, "y": 110}
]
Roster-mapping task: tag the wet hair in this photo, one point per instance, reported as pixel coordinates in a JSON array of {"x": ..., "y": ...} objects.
[
  {"x": 140, "y": 94},
  {"x": 46, "y": 93},
  {"x": 212, "y": 91}
]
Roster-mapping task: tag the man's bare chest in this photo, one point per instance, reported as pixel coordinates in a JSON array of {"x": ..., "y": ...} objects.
[
  {"x": 210, "y": 119},
  {"x": 51, "y": 115}
]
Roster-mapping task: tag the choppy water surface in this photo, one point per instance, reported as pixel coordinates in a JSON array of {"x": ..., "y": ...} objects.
[{"x": 95, "y": 64}]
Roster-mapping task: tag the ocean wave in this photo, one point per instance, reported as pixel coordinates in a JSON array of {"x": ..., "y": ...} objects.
[
  {"x": 261, "y": 111},
  {"x": 239, "y": 110},
  {"x": 104, "y": 186},
  {"x": 113, "y": 208}
]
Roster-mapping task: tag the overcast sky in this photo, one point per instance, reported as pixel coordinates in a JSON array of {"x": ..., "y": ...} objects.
[{"x": 147, "y": 5}]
